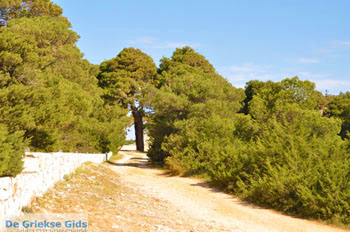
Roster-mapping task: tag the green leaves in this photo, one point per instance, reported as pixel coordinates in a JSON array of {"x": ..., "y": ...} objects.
[
  {"x": 47, "y": 91},
  {"x": 125, "y": 76},
  {"x": 12, "y": 147},
  {"x": 274, "y": 143},
  {"x": 266, "y": 98},
  {"x": 11, "y": 9},
  {"x": 279, "y": 151},
  {"x": 191, "y": 92},
  {"x": 126, "y": 80},
  {"x": 339, "y": 107},
  {"x": 188, "y": 56}
]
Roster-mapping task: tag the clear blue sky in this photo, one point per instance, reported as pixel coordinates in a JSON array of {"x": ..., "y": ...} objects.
[{"x": 244, "y": 40}]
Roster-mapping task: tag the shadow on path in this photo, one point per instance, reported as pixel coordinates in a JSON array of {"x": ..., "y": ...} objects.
[
  {"x": 136, "y": 162},
  {"x": 135, "y": 165},
  {"x": 144, "y": 159},
  {"x": 216, "y": 189},
  {"x": 145, "y": 163}
]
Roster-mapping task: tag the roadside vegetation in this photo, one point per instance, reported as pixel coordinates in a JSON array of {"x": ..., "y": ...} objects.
[
  {"x": 281, "y": 145},
  {"x": 49, "y": 94}
]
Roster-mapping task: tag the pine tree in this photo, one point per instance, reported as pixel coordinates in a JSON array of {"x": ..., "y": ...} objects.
[{"x": 125, "y": 79}]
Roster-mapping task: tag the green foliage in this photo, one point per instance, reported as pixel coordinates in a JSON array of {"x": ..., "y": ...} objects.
[
  {"x": 279, "y": 151},
  {"x": 126, "y": 75},
  {"x": 110, "y": 123},
  {"x": 266, "y": 98},
  {"x": 275, "y": 143},
  {"x": 188, "y": 56},
  {"x": 48, "y": 92},
  {"x": 10, "y": 9},
  {"x": 300, "y": 166},
  {"x": 11, "y": 152},
  {"x": 125, "y": 80},
  {"x": 339, "y": 107},
  {"x": 188, "y": 94}
]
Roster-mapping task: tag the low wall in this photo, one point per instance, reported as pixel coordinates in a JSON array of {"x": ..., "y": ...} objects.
[{"x": 41, "y": 172}]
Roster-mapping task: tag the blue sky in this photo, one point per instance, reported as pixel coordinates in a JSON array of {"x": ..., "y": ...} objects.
[{"x": 244, "y": 40}]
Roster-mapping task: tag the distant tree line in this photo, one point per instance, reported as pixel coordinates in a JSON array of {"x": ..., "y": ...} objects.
[{"x": 282, "y": 145}]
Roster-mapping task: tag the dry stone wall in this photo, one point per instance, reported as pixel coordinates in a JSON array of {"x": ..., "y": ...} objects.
[{"x": 41, "y": 172}]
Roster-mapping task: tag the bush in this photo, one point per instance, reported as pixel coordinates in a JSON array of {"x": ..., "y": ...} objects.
[
  {"x": 298, "y": 171},
  {"x": 11, "y": 152},
  {"x": 280, "y": 152},
  {"x": 297, "y": 165}
]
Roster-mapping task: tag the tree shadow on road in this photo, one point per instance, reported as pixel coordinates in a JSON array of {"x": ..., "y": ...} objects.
[
  {"x": 143, "y": 163},
  {"x": 212, "y": 187}
]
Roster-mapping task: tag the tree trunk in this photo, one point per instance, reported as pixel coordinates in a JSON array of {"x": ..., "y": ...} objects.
[{"x": 138, "y": 124}]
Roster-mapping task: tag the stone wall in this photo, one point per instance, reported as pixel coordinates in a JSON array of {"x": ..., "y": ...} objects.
[{"x": 41, "y": 172}]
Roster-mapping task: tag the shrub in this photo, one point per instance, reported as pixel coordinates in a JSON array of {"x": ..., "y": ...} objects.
[
  {"x": 11, "y": 152},
  {"x": 280, "y": 152}
]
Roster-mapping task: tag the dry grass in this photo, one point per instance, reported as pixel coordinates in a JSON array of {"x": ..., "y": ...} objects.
[
  {"x": 115, "y": 157},
  {"x": 94, "y": 190}
]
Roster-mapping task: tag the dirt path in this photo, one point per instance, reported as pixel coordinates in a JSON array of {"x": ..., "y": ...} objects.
[{"x": 202, "y": 205}]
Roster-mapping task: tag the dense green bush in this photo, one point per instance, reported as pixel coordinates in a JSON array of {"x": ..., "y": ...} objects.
[
  {"x": 339, "y": 107},
  {"x": 191, "y": 91},
  {"x": 49, "y": 94},
  {"x": 300, "y": 166},
  {"x": 11, "y": 152},
  {"x": 278, "y": 152}
]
